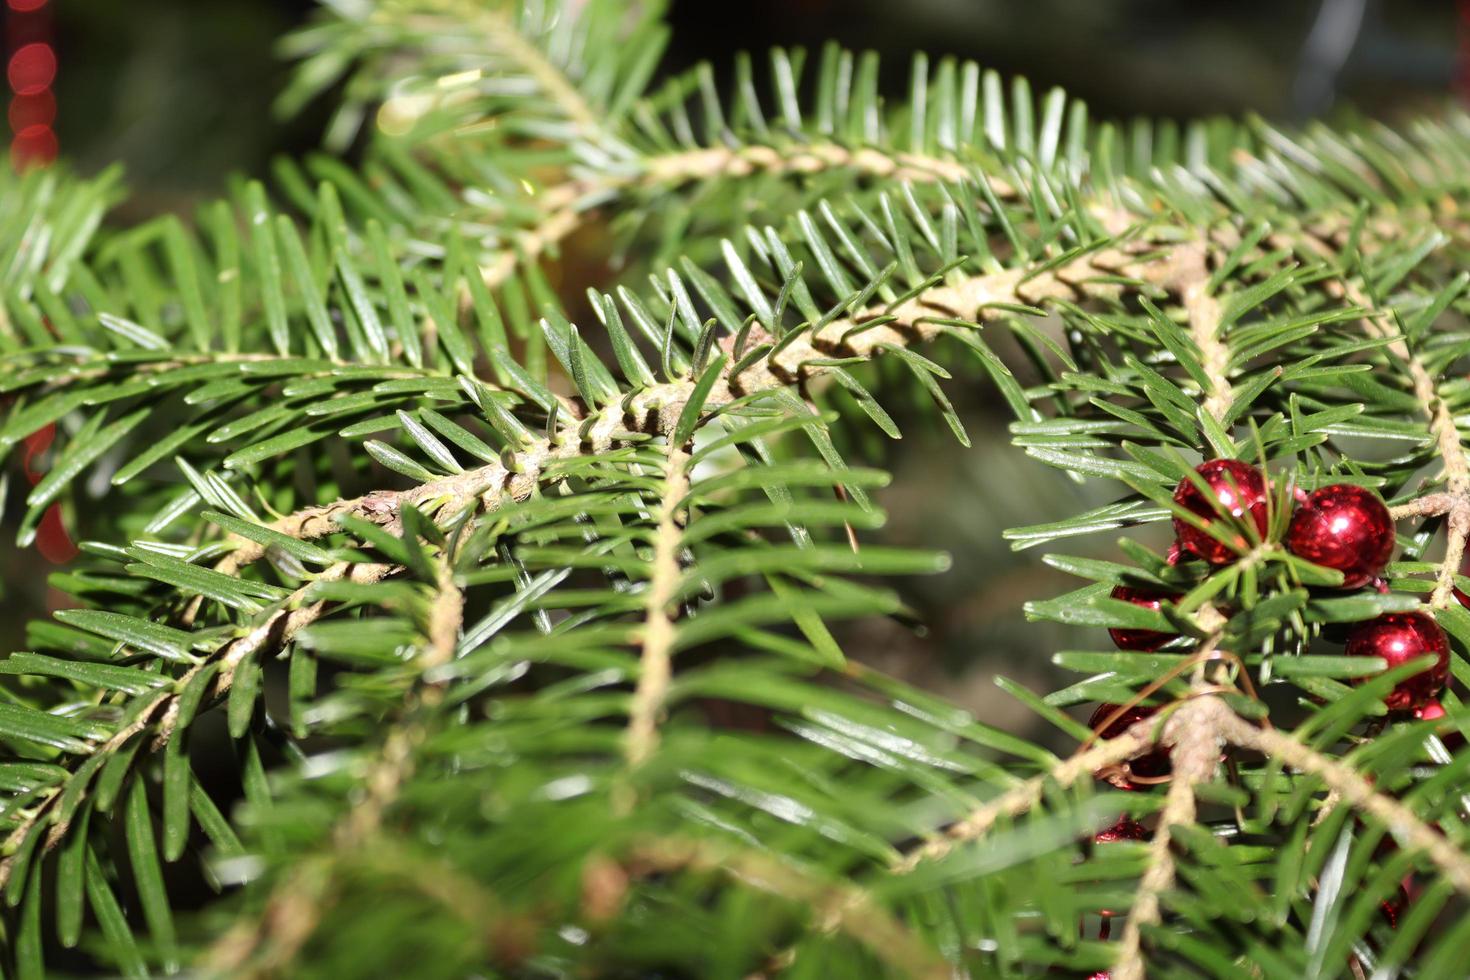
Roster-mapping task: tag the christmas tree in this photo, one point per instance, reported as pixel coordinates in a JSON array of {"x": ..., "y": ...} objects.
[{"x": 442, "y": 618}]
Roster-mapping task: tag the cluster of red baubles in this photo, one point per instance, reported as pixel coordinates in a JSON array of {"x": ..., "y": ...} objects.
[{"x": 1342, "y": 527}]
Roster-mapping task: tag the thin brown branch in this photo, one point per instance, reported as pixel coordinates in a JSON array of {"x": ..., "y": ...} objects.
[
  {"x": 655, "y": 662},
  {"x": 1202, "y": 313},
  {"x": 1193, "y": 731},
  {"x": 1353, "y": 789},
  {"x": 1022, "y": 797}
]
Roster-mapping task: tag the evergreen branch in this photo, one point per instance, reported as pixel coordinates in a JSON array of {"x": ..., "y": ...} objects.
[
  {"x": 655, "y": 669},
  {"x": 1443, "y": 431},
  {"x": 533, "y": 61},
  {"x": 836, "y": 906},
  {"x": 562, "y": 212},
  {"x": 1202, "y": 313},
  {"x": 1139, "y": 738},
  {"x": 1356, "y": 791},
  {"x": 653, "y": 411},
  {"x": 1194, "y": 732},
  {"x": 277, "y": 629},
  {"x": 294, "y": 908}
]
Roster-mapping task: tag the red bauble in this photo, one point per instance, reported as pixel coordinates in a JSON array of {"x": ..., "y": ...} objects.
[
  {"x": 1399, "y": 638},
  {"x": 1150, "y": 767},
  {"x": 1450, "y": 735},
  {"x": 1125, "y": 829},
  {"x": 1238, "y": 489},
  {"x": 1431, "y": 710},
  {"x": 1149, "y": 599},
  {"x": 1345, "y": 527}
]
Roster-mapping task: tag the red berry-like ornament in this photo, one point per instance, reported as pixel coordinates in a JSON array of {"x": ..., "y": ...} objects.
[
  {"x": 1148, "y": 599},
  {"x": 1125, "y": 829},
  {"x": 1399, "y": 638},
  {"x": 1345, "y": 527},
  {"x": 1432, "y": 710},
  {"x": 1239, "y": 490},
  {"x": 1138, "y": 772}
]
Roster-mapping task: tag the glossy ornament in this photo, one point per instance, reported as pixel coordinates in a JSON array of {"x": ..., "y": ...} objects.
[
  {"x": 1344, "y": 527},
  {"x": 1447, "y": 731},
  {"x": 1399, "y": 638},
  {"x": 1148, "y": 598},
  {"x": 1239, "y": 488},
  {"x": 1135, "y": 773},
  {"x": 1125, "y": 829}
]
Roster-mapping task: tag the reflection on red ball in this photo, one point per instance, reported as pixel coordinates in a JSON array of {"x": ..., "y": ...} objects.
[
  {"x": 1238, "y": 489},
  {"x": 1150, "y": 766},
  {"x": 1399, "y": 638},
  {"x": 1149, "y": 599},
  {"x": 1448, "y": 733},
  {"x": 1344, "y": 527}
]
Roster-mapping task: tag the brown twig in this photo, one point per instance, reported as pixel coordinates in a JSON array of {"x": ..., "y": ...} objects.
[{"x": 655, "y": 663}]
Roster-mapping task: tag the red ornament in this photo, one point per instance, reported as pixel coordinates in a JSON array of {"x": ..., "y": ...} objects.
[
  {"x": 1399, "y": 638},
  {"x": 1431, "y": 710},
  {"x": 1345, "y": 527},
  {"x": 1392, "y": 908},
  {"x": 1125, "y": 829},
  {"x": 1149, "y": 599},
  {"x": 1450, "y": 735},
  {"x": 1238, "y": 489},
  {"x": 1135, "y": 773}
]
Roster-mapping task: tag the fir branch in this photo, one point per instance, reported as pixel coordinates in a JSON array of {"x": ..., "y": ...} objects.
[
  {"x": 553, "y": 81},
  {"x": 1139, "y": 738},
  {"x": 562, "y": 212},
  {"x": 837, "y": 907},
  {"x": 655, "y": 666},
  {"x": 1353, "y": 789},
  {"x": 296, "y": 905},
  {"x": 276, "y": 630},
  {"x": 1202, "y": 313},
  {"x": 654, "y": 410},
  {"x": 1193, "y": 731}
]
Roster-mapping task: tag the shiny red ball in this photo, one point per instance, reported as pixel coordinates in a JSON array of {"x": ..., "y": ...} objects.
[
  {"x": 1431, "y": 710},
  {"x": 1399, "y": 638},
  {"x": 1149, "y": 599},
  {"x": 1125, "y": 829},
  {"x": 1238, "y": 489},
  {"x": 1151, "y": 766},
  {"x": 1345, "y": 527}
]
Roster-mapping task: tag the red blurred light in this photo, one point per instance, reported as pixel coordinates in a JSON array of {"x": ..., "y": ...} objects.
[
  {"x": 26, "y": 6},
  {"x": 36, "y": 144},
  {"x": 32, "y": 69},
  {"x": 32, "y": 110}
]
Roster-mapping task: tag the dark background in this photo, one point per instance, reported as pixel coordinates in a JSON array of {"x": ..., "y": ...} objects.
[{"x": 180, "y": 91}]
